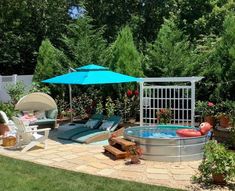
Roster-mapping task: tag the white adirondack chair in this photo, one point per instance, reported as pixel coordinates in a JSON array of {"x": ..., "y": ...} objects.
[{"x": 28, "y": 136}]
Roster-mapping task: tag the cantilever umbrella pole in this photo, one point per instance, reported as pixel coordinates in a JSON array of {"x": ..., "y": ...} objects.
[
  {"x": 70, "y": 97},
  {"x": 70, "y": 102}
]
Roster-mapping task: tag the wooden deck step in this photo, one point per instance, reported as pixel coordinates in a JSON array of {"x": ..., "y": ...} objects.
[
  {"x": 116, "y": 152},
  {"x": 123, "y": 142}
]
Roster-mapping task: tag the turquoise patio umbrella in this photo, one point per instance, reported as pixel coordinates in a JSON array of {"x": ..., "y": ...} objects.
[{"x": 92, "y": 74}]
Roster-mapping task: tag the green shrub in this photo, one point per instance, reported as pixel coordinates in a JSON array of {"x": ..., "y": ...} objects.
[
  {"x": 8, "y": 108},
  {"x": 16, "y": 91},
  {"x": 217, "y": 160}
]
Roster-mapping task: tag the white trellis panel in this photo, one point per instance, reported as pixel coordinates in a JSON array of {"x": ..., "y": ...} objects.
[{"x": 176, "y": 94}]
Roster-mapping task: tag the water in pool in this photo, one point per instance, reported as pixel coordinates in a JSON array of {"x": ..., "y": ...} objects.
[
  {"x": 155, "y": 132},
  {"x": 171, "y": 134}
]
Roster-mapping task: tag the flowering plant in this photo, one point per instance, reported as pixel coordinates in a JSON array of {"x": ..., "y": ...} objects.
[
  {"x": 206, "y": 108},
  {"x": 164, "y": 116},
  {"x": 135, "y": 151},
  {"x": 131, "y": 93}
]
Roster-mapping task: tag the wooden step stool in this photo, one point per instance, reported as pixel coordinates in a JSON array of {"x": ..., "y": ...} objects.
[{"x": 119, "y": 148}]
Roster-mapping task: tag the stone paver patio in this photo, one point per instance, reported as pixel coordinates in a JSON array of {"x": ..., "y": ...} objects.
[{"x": 91, "y": 159}]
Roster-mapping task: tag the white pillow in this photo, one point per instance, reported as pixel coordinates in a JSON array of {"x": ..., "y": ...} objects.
[
  {"x": 40, "y": 114},
  {"x": 107, "y": 125},
  {"x": 92, "y": 123}
]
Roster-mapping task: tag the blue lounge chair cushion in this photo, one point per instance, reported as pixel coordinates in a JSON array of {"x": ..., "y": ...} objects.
[
  {"x": 68, "y": 134},
  {"x": 82, "y": 137}
]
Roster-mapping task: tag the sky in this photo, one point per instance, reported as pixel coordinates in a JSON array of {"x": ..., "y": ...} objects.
[{"x": 75, "y": 12}]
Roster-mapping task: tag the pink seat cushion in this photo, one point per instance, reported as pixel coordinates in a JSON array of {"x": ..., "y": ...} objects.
[{"x": 28, "y": 118}]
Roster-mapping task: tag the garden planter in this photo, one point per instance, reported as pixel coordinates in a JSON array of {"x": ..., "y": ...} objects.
[
  {"x": 135, "y": 160},
  {"x": 219, "y": 179},
  {"x": 3, "y": 129},
  {"x": 111, "y": 142},
  {"x": 210, "y": 119},
  {"x": 224, "y": 121}
]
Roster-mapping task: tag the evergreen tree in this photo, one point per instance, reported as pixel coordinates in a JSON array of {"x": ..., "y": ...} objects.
[
  {"x": 122, "y": 56},
  {"x": 51, "y": 62},
  {"x": 224, "y": 61},
  {"x": 24, "y": 24},
  {"x": 83, "y": 44},
  {"x": 169, "y": 54},
  {"x": 216, "y": 62}
]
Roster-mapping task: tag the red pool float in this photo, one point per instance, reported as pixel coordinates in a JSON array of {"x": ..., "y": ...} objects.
[
  {"x": 205, "y": 127},
  {"x": 188, "y": 133}
]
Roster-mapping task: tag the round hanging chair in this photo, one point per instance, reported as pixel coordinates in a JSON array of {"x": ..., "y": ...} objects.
[{"x": 36, "y": 102}]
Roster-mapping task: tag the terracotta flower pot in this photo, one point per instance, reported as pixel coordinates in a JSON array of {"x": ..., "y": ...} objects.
[
  {"x": 111, "y": 142},
  {"x": 219, "y": 179},
  {"x": 3, "y": 129},
  {"x": 210, "y": 119},
  {"x": 224, "y": 121},
  {"x": 135, "y": 160}
]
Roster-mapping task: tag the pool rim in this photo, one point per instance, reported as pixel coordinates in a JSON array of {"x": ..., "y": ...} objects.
[{"x": 167, "y": 138}]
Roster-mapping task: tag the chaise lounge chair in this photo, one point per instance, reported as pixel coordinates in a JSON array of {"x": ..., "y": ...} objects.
[
  {"x": 92, "y": 124},
  {"x": 104, "y": 131}
]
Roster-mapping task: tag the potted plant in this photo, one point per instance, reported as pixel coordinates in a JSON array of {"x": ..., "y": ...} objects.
[
  {"x": 135, "y": 152},
  {"x": 218, "y": 164},
  {"x": 225, "y": 113},
  {"x": 164, "y": 116},
  {"x": 207, "y": 110},
  {"x": 110, "y": 140}
]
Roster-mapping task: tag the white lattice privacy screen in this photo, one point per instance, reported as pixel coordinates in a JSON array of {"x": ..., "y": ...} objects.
[{"x": 176, "y": 94}]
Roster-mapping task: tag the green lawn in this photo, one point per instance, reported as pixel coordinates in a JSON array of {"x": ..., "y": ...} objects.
[{"x": 17, "y": 175}]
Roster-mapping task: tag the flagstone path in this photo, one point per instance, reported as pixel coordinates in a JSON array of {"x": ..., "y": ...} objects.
[{"x": 91, "y": 159}]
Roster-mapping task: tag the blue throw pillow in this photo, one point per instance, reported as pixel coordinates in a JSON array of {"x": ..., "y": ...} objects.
[
  {"x": 92, "y": 123},
  {"x": 51, "y": 114},
  {"x": 107, "y": 125}
]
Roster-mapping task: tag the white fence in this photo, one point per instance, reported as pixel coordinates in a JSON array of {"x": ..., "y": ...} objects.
[
  {"x": 176, "y": 93},
  {"x": 5, "y": 80}
]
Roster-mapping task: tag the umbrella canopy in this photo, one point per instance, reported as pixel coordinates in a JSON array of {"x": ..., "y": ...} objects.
[
  {"x": 36, "y": 101},
  {"x": 92, "y": 74}
]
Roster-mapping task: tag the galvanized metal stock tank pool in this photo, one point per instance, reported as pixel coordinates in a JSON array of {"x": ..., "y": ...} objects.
[{"x": 161, "y": 143}]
